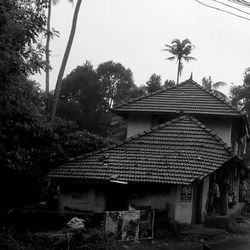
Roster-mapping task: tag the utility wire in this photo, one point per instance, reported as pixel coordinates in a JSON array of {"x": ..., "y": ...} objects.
[
  {"x": 240, "y": 2},
  {"x": 225, "y": 11},
  {"x": 230, "y": 6}
]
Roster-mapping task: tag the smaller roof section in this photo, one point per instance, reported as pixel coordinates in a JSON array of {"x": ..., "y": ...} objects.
[
  {"x": 188, "y": 97},
  {"x": 176, "y": 152}
]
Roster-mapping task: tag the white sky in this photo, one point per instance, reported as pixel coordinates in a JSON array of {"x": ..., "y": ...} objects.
[{"x": 133, "y": 32}]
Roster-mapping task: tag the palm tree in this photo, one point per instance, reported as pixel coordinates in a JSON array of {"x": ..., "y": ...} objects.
[
  {"x": 49, "y": 34},
  {"x": 180, "y": 51},
  {"x": 209, "y": 84},
  {"x": 64, "y": 61},
  {"x": 214, "y": 86}
]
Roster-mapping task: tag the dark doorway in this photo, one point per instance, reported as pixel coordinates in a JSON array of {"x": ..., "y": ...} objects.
[
  {"x": 117, "y": 197},
  {"x": 197, "y": 203}
]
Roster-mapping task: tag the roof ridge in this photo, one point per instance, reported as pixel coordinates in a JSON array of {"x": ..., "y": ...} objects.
[
  {"x": 217, "y": 97},
  {"x": 188, "y": 81},
  {"x": 212, "y": 133},
  {"x": 162, "y": 89}
]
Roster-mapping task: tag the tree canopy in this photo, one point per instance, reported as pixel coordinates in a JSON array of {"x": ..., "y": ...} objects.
[
  {"x": 169, "y": 83},
  {"x": 240, "y": 94},
  {"x": 116, "y": 81},
  {"x": 82, "y": 100},
  {"x": 154, "y": 83}
]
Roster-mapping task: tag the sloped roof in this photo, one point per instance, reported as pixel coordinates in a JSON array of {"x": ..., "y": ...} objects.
[
  {"x": 188, "y": 97},
  {"x": 176, "y": 152}
]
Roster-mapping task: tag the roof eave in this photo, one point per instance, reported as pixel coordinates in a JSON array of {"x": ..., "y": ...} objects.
[{"x": 126, "y": 112}]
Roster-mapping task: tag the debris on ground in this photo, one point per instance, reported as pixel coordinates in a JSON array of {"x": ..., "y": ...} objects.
[{"x": 76, "y": 223}]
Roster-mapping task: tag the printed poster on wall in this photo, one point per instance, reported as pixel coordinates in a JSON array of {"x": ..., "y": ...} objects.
[
  {"x": 186, "y": 193},
  {"x": 130, "y": 225}
]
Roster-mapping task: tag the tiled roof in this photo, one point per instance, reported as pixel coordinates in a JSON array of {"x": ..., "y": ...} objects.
[
  {"x": 177, "y": 152},
  {"x": 188, "y": 97}
]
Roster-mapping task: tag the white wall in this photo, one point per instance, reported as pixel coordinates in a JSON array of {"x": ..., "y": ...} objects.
[
  {"x": 137, "y": 123},
  {"x": 221, "y": 126},
  {"x": 157, "y": 200},
  {"x": 87, "y": 200}
]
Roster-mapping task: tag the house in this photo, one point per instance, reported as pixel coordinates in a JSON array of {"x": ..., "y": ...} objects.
[{"x": 178, "y": 141}]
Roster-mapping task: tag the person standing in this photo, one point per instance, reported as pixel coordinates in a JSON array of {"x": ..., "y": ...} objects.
[
  {"x": 216, "y": 193},
  {"x": 243, "y": 190}
]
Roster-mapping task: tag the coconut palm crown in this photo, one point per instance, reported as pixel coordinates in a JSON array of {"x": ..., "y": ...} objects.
[{"x": 180, "y": 51}]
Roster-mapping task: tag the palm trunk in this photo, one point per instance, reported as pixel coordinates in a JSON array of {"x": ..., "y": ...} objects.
[
  {"x": 47, "y": 66},
  {"x": 64, "y": 61},
  {"x": 178, "y": 72}
]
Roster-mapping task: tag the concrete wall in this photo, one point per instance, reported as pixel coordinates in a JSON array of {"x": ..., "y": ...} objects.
[
  {"x": 183, "y": 210},
  {"x": 90, "y": 199},
  {"x": 157, "y": 199},
  {"x": 137, "y": 123},
  {"x": 221, "y": 126},
  {"x": 93, "y": 199}
]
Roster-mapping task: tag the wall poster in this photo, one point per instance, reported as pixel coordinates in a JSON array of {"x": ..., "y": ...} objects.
[
  {"x": 186, "y": 193},
  {"x": 130, "y": 225}
]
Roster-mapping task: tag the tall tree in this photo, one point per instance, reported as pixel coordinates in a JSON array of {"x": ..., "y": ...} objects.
[
  {"x": 64, "y": 61},
  {"x": 154, "y": 83},
  {"x": 82, "y": 101},
  {"x": 21, "y": 106},
  {"x": 50, "y": 33},
  {"x": 116, "y": 81},
  {"x": 180, "y": 51}
]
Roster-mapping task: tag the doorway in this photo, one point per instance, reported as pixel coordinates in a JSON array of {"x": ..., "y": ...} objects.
[
  {"x": 117, "y": 197},
  {"x": 197, "y": 203}
]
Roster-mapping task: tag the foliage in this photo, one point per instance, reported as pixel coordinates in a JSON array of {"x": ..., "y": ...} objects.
[
  {"x": 92, "y": 239},
  {"x": 240, "y": 95},
  {"x": 80, "y": 142},
  {"x": 29, "y": 148},
  {"x": 116, "y": 81},
  {"x": 180, "y": 51},
  {"x": 24, "y": 136},
  {"x": 214, "y": 86},
  {"x": 21, "y": 22},
  {"x": 209, "y": 84},
  {"x": 169, "y": 83},
  {"x": 82, "y": 100},
  {"x": 19, "y": 99},
  {"x": 154, "y": 83},
  {"x": 138, "y": 91}
]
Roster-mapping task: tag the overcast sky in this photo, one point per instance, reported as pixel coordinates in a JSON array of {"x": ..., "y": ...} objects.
[{"x": 133, "y": 32}]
